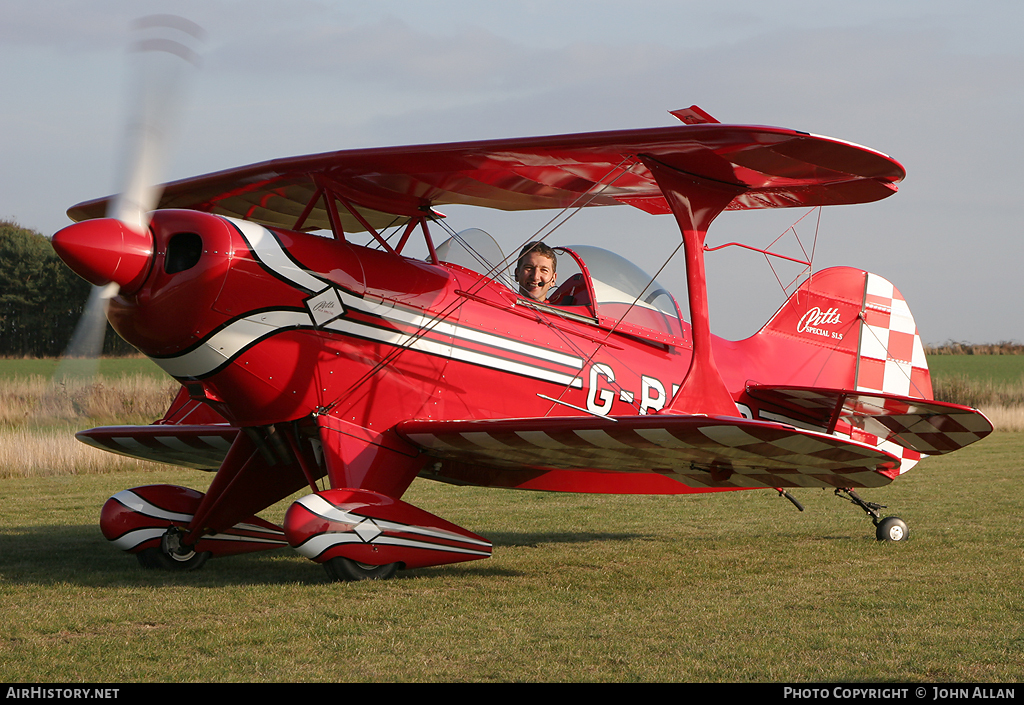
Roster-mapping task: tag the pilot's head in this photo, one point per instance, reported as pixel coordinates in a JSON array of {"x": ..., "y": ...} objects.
[{"x": 535, "y": 272}]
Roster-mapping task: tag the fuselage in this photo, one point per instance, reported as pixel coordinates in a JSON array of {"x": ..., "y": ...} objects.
[
  {"x": 271, "y": 326},
  {"x": 352, "y": 344}
]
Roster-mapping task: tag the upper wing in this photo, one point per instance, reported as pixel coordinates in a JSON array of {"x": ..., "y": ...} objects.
[
  {"x": 926, "y": 426},
  {"x": 777, "y": 167},
  {"x": 698, "y": 451}
]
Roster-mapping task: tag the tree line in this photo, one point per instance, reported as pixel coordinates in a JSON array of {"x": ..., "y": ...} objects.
[
  {"x": 952, "y": 347},
  {"x": 41, "y": 299}
]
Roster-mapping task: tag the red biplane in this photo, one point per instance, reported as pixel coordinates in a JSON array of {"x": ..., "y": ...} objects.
[{"x": 309, "y": 361}]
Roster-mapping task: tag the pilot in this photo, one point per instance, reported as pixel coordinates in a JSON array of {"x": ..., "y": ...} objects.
[{"x": 535, "y": 272}]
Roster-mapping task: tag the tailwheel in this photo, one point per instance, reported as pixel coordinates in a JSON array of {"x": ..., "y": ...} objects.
[
  {"x": 887, "y": 529},
  {"x": 891, "y": 529},
  {"x": 345, "y": 569},
  {"x": 172, "y": 554}
]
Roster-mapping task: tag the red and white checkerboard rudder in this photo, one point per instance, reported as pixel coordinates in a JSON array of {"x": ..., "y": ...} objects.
[{"x": 890, "y": 355}]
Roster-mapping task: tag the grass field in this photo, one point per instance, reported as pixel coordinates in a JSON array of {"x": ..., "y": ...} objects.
[
  {"x": 39, "y": 418},
  {"x": 996, "y": 368},
  {"x": 735, "y": 587},
  {"x": 992, "y": 383},
  {"x": 108, "y": 368}
]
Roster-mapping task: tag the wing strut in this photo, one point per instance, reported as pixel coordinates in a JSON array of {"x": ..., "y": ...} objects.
[
  {"x": 331, "y": 193},
  {"x": 695, "y": 202}
]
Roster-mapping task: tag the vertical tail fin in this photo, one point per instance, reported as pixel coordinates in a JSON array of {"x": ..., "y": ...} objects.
[
  {"x": 890, "y": 356},
  {"x": 849, "y": 330}
]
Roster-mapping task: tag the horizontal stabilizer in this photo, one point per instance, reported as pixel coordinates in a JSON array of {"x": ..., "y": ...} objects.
[
  {"x": 697, "y": 451},
  {"x": 926, "y": 426}
]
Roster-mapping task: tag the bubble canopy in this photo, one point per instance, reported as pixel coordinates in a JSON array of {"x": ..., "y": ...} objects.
[
  {"x": 593, "y": 282},
  {"x": 624, "y": 292}
]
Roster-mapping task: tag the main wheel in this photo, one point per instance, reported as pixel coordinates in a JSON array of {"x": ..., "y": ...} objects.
[
  {"x": 156, "y": 559},
  {"x": 892, "y": 529},
  {"x": 348, "y": 570},
  {"x": 172, "y": 554}
]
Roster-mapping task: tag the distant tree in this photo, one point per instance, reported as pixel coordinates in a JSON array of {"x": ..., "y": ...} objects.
[{"x": 41, "y": 299}]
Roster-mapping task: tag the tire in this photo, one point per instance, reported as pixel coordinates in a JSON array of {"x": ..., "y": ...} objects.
[
  {"x": 892, "y": 529},
  {"x": 344, "y": 569},
  {"x": 156, "y": 559}
]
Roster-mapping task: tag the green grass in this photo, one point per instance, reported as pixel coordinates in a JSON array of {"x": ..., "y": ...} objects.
[
  {"x": 22, "y": 368},
  {"x": 993, "y": 383},
  {"x": 731, "y": 587},
  {"x": 994, "y": 368}
]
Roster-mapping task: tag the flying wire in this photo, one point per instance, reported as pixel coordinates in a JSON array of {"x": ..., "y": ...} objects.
[{"x": 586, "y": 198}]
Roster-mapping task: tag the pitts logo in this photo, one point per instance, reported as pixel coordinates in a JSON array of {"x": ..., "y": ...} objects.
[
  {"x": 812, "y": 321},
  {"x": 324, "y": 307}
]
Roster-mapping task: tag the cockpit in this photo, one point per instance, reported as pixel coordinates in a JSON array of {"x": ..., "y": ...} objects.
[{"x": 593, "y": 284}]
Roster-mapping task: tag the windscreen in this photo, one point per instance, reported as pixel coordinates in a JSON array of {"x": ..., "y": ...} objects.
[{"x": 625, "y": 291}]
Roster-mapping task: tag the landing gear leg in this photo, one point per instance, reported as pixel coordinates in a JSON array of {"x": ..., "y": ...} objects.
[
  {"x": 887, "y": 529},
  {"x": 791, "y": 498}
]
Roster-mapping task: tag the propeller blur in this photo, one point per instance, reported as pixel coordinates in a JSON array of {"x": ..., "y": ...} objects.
[{"x": 112, "y": 252}]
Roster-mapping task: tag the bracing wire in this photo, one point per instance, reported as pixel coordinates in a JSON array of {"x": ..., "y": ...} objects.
[{"x": 578, "y": 203}]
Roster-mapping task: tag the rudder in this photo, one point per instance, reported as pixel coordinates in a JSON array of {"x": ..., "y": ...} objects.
[{"x": 890, "y": 356}]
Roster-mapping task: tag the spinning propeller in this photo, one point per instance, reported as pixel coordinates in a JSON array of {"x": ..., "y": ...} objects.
[{"x": 115, "y": 253}]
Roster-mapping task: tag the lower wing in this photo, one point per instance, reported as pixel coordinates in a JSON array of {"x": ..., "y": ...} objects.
[
  {"x": 197, "y": 446},
  {"x": 697, "y": 451}
]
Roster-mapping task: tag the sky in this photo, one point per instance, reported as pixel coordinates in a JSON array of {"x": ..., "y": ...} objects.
[{"x": 936, "y": 84}]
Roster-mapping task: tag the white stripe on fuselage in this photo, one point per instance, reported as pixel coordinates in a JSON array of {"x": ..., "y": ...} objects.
[
  {"x": 269, "y": 251},
  {"x": 223, "y": 345},
  {"x": 242, "y": 333}
]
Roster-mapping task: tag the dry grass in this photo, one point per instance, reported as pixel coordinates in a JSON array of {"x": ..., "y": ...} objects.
[
  {"x": 1005, "y": 418},
  {"x": 980, "y": 393},
  {"x": 1001, "y": 401},
  {"x": 26, "y": 452},
  {"x": 39, "y": 418},
  {"x": 36, "y": 400}
]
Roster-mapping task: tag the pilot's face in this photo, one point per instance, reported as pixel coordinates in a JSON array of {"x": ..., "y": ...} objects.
[{"x": 535, "y": 275}]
